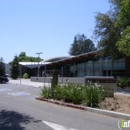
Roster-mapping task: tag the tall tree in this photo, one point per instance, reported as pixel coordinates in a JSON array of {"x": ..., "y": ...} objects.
[
  {"x": 2, "y": 67},
  {"x": 123, "y": 22},
  {"x": 81, "y": 45},
  {"x": 23, "y": 58},
  {"x": 106, "y": 33},
  {"x": 74, "y": 50},
  {"x": 15, "y": 68}
]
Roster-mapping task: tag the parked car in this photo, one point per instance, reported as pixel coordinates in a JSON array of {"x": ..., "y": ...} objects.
[
  {"x": 3, "y": 79},
  {"x": 7, "y": 75}
]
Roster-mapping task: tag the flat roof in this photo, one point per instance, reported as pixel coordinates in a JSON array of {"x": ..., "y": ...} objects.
[
  {"x": 33, "y": 64},
  {"x": 65, "y": 60},
  {"x": 73, "y": 59}
]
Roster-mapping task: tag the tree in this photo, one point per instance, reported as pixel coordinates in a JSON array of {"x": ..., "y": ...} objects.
[
  {"x": 2, "y": 67},
  {"x": 23, "y": 58},
  {"x": 106, "y": 33},
  {"x": 74, "y": 50},
  {"x": 81, "y": 45},
  {"x": 124, "y": 42},
  {"x": 123, "y": 22},
  {"x": 15, "y": 68}
]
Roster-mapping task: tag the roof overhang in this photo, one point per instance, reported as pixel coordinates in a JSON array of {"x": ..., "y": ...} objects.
[
  {"x": 33, "y": 64},
  {"x": 62, "y": 62}
]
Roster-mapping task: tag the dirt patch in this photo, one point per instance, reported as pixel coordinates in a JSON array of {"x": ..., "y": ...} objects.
[{"x": 120, "y": 103}]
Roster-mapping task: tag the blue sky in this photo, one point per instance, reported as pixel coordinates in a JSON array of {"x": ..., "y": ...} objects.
[{"x": 46, "y": 26}]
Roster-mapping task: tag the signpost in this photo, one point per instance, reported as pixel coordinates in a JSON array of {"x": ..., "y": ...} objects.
[
  {"x": 20, "y": 73},
  {"x": 38, "y": 62}
]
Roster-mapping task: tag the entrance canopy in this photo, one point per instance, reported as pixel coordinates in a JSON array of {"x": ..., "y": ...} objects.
[{"x": 32, "y": 65}]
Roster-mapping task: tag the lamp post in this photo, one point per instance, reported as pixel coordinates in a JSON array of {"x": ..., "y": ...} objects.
[{"x": 38, "y": 61}]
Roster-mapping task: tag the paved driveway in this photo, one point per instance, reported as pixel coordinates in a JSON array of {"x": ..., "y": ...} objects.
[{"x": 20, "y": 111}]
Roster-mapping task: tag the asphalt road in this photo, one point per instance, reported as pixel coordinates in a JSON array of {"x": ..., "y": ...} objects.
[{"x": 20, "y": 111}]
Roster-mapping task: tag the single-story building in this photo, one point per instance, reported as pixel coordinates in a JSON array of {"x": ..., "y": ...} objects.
[{"x": 87, "y": 64}]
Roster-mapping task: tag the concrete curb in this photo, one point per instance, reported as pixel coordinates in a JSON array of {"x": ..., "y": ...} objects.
[
  {"x": 99, "y": 111},
  {"x": 109, "y": 113},
  {"x": 61, "y": 103}
]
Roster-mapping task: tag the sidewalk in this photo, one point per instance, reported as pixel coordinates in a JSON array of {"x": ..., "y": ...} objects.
[
  {"x": 28, "y": 82},
  {"x": 121, "y": 91}
]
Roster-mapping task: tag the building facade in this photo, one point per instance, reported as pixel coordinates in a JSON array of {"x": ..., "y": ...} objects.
[{"x": 87, "y": 64}]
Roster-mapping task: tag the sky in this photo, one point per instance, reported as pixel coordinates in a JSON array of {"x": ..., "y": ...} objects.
[{"x": 46, "y": 26}]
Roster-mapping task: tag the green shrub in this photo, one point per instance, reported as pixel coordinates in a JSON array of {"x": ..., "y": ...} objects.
[
  {"x": 128, "y": 82},
  {"x": 67, "y": 93},
  {"x": 45, "y": 92},
  {"x": 123, "y": 82},
  {"x": 77, "y": 94},
  {"x": 25, "y": 76},
  {"x": 58, "y": 92},
  {"x": 94, "y": 95}
]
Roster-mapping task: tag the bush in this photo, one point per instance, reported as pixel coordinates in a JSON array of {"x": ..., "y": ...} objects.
[
  {"x": 69, "y": 93},
  {"x": 45, "y": 92},
  {"x": 77, "y": 94},
  {"x": 94, "y": 95},
  {"x": 128, "y": 82},
  {"x": 123, "y": 82},
  {"x": 25, "y": 76},
  {"x": 58, "y": 92}
]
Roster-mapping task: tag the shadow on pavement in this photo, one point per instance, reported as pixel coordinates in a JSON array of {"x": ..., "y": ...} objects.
[{"x": 11, "y": 120}]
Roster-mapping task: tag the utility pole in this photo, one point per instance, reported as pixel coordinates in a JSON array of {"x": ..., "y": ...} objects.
[{"x": 38, "y": 53}]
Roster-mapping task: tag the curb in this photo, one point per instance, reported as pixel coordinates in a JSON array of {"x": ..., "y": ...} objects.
[
  {"x": 99, "y": 111},
  {"x": 109, "y": 113},
  {"x": 61, "y": 103}
]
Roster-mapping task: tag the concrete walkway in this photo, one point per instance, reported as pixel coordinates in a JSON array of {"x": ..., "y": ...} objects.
[
  {"x": 123, "y": 91},
  {"x": 28, "y": 82}
]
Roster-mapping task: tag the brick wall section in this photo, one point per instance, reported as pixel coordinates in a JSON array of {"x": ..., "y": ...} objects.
[{"x": 127, "y": 66}]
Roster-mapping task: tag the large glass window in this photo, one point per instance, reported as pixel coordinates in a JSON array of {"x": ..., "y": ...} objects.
[
  {"x": 72, "y": 68},
  {"x": 89, "y": 73},
  {"x": 97, "y": 73},
  {"x": 81, "y": 73},
  {"x": 81, "y": 66},
  {"x": 97, "y": 65},
  {"x": 89, "y": 65},
  {"x": 107, "y": 64},
  {"x": 119, "y": 64}
]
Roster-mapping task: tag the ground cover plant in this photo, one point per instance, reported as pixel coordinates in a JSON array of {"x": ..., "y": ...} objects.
[{"x": 90, "y": 95}]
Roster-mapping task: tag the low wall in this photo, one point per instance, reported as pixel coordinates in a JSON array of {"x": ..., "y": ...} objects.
[
  {"x": 75, "y": 80},
  {"x": 108, "y": 82},
  {"x": 64, "y": 80},
  {"x": 41, "y": 79}
]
